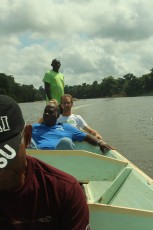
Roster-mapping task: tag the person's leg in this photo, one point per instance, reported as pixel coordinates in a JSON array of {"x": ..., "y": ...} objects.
[{"x": 65, "y": 144}]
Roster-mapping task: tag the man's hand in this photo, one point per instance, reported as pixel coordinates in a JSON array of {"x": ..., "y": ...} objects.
[{"x": 103, "y": 145}]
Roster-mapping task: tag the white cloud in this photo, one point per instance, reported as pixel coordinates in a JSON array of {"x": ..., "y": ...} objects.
[{"x": 94, "y": 39}]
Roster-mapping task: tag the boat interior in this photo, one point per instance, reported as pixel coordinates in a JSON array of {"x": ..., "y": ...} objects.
[{"x": 104, "y": 180}]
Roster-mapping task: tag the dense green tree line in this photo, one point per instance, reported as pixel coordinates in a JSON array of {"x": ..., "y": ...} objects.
[
  {"x": 21, "y": 93},
  {"x": 129, "y": 86}
]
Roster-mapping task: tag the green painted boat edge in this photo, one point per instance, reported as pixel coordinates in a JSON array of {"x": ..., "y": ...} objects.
[{"x": 104, "y": 216}]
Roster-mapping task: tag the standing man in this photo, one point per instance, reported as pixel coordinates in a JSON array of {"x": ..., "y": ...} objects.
[{"x": 54, "y": 82}]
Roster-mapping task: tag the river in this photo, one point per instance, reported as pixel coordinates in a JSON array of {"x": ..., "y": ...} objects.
[{"x": 125, "y": 123}]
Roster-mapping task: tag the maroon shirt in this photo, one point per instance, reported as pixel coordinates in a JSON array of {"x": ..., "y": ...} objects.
[{"x": 49, "y": 199}]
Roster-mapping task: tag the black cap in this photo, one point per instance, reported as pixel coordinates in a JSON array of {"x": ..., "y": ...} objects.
[{"x": 11, "y": 126}]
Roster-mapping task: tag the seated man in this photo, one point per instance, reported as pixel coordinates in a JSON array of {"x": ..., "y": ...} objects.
[
  {"x": 76, "y": 120},
  {"x": 73, "y": 119},
  {"x": 50, "y": 135},
  {"x": 33, "y": 194}
]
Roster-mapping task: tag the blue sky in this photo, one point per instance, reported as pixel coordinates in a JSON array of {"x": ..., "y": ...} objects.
[{"x": 93, "y": 39}]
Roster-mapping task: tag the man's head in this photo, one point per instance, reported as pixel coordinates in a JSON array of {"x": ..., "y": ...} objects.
[
  {"x": 56, "y": 64},
  {"x": 11, "y": 126},
  {"x": 66, "y": 103},
  {"x": 12, "y": 135},
  {"x": 51, "y": 113}
]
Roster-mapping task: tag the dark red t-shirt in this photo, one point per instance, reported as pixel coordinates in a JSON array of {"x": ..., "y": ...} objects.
[{"x": 50, "y": 199}]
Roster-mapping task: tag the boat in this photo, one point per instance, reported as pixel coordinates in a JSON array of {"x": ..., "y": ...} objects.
[{"x": 119, "y": 195}]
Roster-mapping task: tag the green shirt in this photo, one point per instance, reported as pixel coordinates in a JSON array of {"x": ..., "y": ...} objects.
[{"x": 56, "y": 81}]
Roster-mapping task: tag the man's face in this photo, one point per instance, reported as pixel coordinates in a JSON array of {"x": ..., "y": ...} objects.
[
  {"x": 56, "y": 65},
  {"x": 66, "y": 104},
  {"x": 50, "y": 115}
]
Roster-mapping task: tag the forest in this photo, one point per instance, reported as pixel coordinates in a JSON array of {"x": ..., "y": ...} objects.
[{"x": 127, "y": 86}]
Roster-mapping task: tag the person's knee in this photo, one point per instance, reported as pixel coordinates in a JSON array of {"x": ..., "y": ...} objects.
[{"x": 65, "y": 144}]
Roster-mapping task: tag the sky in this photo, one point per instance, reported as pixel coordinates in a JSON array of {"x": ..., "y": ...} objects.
[{"x": 93, "y": 39}]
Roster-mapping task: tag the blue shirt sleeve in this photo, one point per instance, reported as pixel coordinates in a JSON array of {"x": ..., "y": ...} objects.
[{"x": 77, "y": 135}]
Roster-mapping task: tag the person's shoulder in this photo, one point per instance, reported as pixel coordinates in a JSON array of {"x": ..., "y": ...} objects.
[
  {"x": 61, "y": 74},
  {"x": 39, "y": 126},
  {"x": 77, "y": 116},
  {"x": 49, "y": 72},
  {"x": 47, "y": 76},
  {"x": 72, "y": 129},
  {"x": 49, "y": 171},
  {"x": 36, "y": 124},
  {"x": 68, "y": 126}
]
